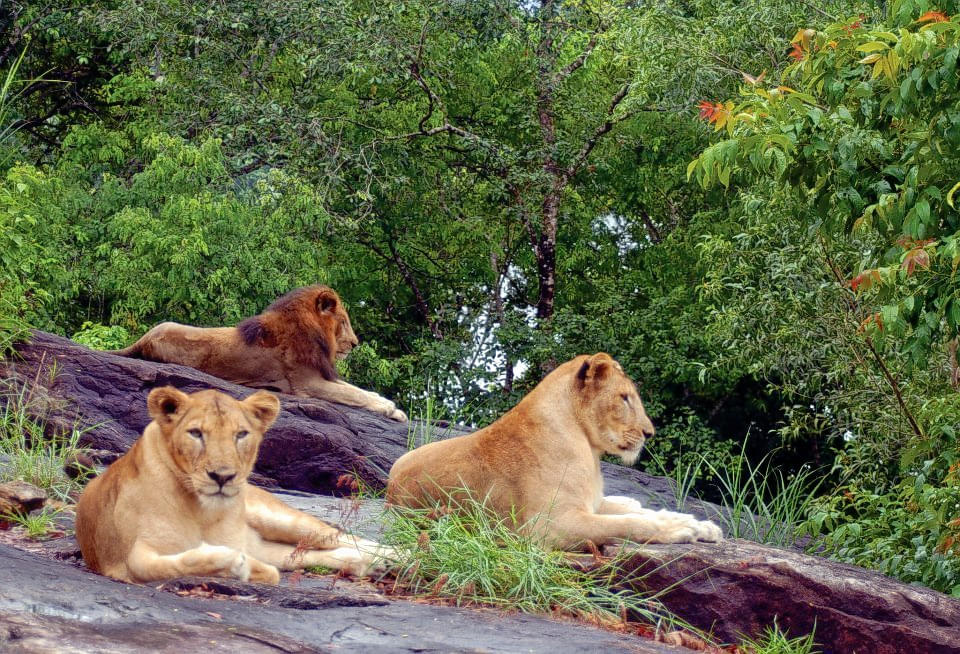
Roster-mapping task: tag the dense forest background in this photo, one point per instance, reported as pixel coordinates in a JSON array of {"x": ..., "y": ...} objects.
[{"x": 749, "y": 204}]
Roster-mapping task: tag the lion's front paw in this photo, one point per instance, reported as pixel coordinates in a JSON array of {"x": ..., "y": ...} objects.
[
  {"x": 264, "y": 573},
  {"x": 677, "y": 534},
  {"x": 708, "y": 531},
  {"x": 220, "y": 561},
  {"x": 676, "y": 527},
  {"x": 237, "y": 565},
  {"x": 389, "y": 409},
  {"x": 380, "y": 556},
  {"x": 353, "y": 561}
]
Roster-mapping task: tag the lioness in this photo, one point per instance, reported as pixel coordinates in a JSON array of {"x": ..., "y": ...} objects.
[
  {"x": 178, "y": 502},
  {"x": 289, "y": 348},
  {"x": 542, "y": 458}
]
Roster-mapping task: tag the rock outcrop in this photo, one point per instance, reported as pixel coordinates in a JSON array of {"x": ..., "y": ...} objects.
[
  {"x": 731, "y": 589},
  {"x": 738, "y": 587}
]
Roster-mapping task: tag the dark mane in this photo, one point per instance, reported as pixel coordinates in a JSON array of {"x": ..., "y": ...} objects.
[
  {"x": 297, "y": 296},
  {"x": 292, "y": 321},
  {"x": 253, "y": 331}
]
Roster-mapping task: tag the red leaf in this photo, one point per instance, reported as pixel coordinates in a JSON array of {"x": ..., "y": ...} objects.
[
  {"x": 707, "y": 109},
  {"x": 877, "y": 320},
  {"x": 933, "y": 17},
  {"x": 855, "y": 25},
  {"x": 866, "y": 279},
  {"x": 796, "y": 52},
  {"x": 913, "y": 258}
]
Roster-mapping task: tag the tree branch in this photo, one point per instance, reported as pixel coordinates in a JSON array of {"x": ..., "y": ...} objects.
[
  {"x": 575, "y": 65},
  {"x": 853, "y": 304},
  {"x": 652, "y": 230},
  {"x": 607, "y": 125}
]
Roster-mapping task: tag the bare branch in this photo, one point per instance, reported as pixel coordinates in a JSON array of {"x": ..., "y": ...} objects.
[{"x": 819, "y": 10}]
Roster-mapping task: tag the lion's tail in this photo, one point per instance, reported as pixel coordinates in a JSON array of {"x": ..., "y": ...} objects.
[{"x": 133, "y": 351}]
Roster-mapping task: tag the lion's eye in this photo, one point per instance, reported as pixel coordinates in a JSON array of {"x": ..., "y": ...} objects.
[
  {"x": 196, "y": 433},
  {"x": 626, "y": 399},
  {"x": 242, "y": 434}
]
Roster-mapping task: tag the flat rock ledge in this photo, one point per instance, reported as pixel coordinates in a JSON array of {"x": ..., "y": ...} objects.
[
  {"x": 54, "y": 607},
  {"x": 739, "y": 587}
]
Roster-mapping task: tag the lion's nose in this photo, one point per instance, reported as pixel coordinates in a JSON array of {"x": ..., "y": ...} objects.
[{"x": 221, "y": 478}]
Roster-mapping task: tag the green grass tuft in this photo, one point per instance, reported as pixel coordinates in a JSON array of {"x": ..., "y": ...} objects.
[
  {"x": 774, "y": 641},
  {"x": 470, "y": 556},
  {"x": 28, "y": 452},
  {"x": 38, "y": 524}
]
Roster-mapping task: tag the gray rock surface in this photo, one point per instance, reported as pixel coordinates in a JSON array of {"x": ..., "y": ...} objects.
[{"x": 52, "y": 606}]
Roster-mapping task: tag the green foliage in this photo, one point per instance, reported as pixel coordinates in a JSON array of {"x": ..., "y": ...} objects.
[
  {"x": 844, "y": 307},
  {"x": 101, "y": 337},
  {"x": 868, "y": 143},
  {"x": 11, "y": 88},
  {"x": 911, "y": 533},
  {"x": 169, "y": 235}
]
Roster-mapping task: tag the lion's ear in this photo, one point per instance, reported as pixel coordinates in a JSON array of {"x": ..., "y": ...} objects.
[
  {"x": 327, "y": 301},
  {"x": 596, "y": 368},
  {"x": 264, "y": 406},
  {"x": 165, "y": 402}
]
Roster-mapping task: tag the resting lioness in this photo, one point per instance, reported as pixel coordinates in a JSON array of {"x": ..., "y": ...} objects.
[
  {"x": 542, "y": 459},
  {"x": 178, "y": 503}
]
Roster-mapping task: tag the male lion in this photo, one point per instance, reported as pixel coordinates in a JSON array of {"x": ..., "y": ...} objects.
[
  {"x": 289, "y": 348},
  {"x": 542, "y": 458},
  {"x": 178, "y": 502}
]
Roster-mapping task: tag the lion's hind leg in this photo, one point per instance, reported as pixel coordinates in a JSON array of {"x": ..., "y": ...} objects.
[{"x": 274, "y": 521}]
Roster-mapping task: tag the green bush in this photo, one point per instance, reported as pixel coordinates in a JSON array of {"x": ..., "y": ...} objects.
[
  {"x": 910, "y": 533},
  {"x": 101, "y": 337},
  {"x": 170, "y": 236}
]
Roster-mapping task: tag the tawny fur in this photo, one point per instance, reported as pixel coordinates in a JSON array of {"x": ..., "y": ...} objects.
[
  {"x": 178, "y": 502},
  {"x": 290, "y": 348},
  {"x": 542, "y": 460}
]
